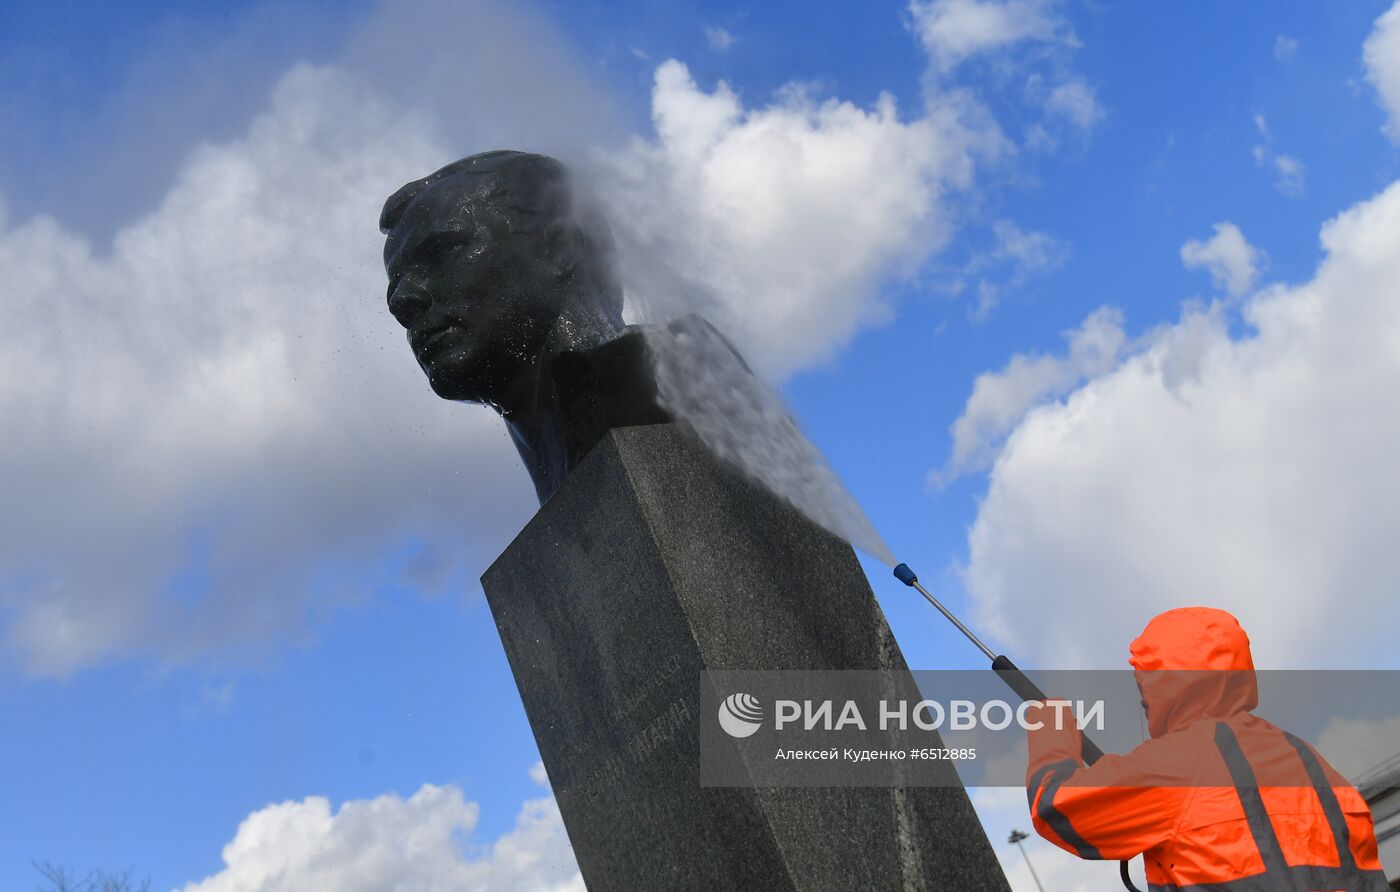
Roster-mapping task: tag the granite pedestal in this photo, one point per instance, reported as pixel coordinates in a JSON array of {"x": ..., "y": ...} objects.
[{"x": 653, "y": 562}]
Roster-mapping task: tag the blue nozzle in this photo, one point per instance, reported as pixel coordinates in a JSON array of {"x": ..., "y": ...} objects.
[{"x": 905, "y": 575}]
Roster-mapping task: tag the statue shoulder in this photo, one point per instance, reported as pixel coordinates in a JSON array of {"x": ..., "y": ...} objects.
[{"x": 604, "y": 387}]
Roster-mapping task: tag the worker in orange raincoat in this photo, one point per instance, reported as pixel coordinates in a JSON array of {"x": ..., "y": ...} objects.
[{"x": 1217, "y": 800}]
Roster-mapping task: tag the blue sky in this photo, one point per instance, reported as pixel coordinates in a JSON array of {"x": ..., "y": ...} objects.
[{"x": 230, "y": 581}]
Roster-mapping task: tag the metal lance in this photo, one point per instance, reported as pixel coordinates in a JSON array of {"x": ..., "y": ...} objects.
[{"x": 1014, "y": 678}]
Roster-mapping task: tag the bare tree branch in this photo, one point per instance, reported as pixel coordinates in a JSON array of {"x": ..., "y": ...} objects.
[{"x": 57, "y": 878}]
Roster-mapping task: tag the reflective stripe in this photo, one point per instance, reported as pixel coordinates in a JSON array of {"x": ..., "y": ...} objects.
[
  {"x": 1056, "y": 819},
  {"x": 1276, "y": 873},
  {"x": 1304, "y": 876},
  {"x": 1039, "y": 778},
  {"x": 1341, "y": 833}
]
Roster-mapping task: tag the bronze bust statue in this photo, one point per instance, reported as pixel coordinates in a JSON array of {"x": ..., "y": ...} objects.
[{"x": 503, "y": 276}]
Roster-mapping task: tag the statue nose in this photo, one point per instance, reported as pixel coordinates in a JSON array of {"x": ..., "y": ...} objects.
[{"x": 407, "y": 304}]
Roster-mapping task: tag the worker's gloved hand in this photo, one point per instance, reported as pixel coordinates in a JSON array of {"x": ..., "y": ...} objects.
[{"x": 1052, "y": 734}]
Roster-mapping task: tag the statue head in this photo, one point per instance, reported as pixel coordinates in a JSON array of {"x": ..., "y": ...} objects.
[{"x": 495, "y": 265}]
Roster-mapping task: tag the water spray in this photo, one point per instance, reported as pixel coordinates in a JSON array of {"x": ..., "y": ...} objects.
[
  {"x": 702, "y": 380},
  {"x": 1015, "y": 679}
]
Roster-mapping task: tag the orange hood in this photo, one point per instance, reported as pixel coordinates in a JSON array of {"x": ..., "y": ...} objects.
[{"x": 1193, "y": 663}]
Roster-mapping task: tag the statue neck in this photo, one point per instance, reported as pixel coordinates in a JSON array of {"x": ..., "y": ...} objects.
[
  {"x": 540, "y": 442},
  {"x": 532, "y": 411}
]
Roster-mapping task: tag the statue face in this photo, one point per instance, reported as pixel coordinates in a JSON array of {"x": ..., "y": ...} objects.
[{"x": 476, "y": 298}]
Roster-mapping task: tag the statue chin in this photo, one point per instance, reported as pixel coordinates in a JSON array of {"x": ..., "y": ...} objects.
[
  {"x": 456, "y": 375},
  {"x": 455, "y": 389}
]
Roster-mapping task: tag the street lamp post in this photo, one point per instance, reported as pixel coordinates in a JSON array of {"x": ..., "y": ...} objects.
[{"x": 1016, "y": 837}]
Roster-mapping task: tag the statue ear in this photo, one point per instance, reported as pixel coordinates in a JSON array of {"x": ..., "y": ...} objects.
[
  {"x": 564, "y": 245},
  {"x": 579, "y": 244}
]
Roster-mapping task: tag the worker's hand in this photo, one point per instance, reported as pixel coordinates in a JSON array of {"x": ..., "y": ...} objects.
[{"x": 1052, "y": 733}]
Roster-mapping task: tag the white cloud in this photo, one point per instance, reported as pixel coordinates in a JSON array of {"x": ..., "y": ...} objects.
[
  {"x": 778, "y": 223},
  {"x": 1027, "y": 250},
  {"x": 1011, "y": 36},
  {"x": 718, "y": 39},
  {"x": 539, "y": 775},
  {"x": 1355, "y": 746},
  {"x": 420, "y": 843},
  {"x": 1382, "y": 56},
  {"x": 1254, "y": 472},
  {"x": 1284, "y": 47},
  {"x": 1024, "y": 33},
  {"x": 1017, "y": 255},
  {"x": 1001, "y": 399},
  {"x": 955, "y": 30},
  {"x": 1068, "y": 103},
  {"x": 1261, "y": 124},
  {"x": 1289, "y": 172},
  {"x": 223, "y": 389},
  {"x": 1289, "y": 175},
  {"x": 1233, "y": 263},
  {"x": 1075, "y": 101},
  {"x": 988, "y": 298}
]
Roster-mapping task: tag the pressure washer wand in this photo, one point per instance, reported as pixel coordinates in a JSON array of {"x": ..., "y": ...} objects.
[
  {"x": 1001, "y": 664},
  {"x": 1015, "y": 679}
]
